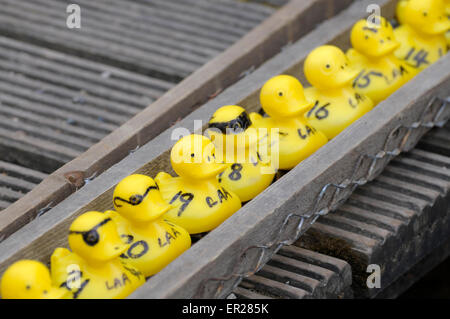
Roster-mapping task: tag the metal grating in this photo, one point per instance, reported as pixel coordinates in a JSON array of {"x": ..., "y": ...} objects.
[
  {"x": 166, "y": 39},
  {"x": 437, "y": 141}
]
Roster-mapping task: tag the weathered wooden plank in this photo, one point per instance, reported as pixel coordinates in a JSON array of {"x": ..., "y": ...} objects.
[
  {"x": 401, "y": 243},
  {"x": 29, "y": 151},
  {"x": 274, "y": 287},
  {"x": 269, "y": 2},
  {"x": 437, "y": 143},
  {"x": 121, "y": 80},
  {"x": 259, "y": 221},
  {"x": 380, "y": 206},
  {"x": 21, "y": 172},
  {"x": 13, "y": 124},
  {"x": 419, "y": 179},
  {"x": 4, "y": 204},
  {"x": 240, "y": 9},
  {"x": 72, "y": 104},
  {"x": 319, "y": 275},
  {"x": 423, "y": 167},
  {"x": 9, "y": 194},
  {"x": 15, "y": 181},
  {"x": 288, "y": 24},
  {"x": 54, "y": 106},
  {"x": 51, "y": 122},
  {"x": 416, "y": 273},
  {"x": 360, "y": 214},
  {"x": 141, "y": 38},
  {"x": 244, "y": 293}
]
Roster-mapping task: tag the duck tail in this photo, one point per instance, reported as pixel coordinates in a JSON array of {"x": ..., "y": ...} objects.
[{"x": 59, "y": 262}]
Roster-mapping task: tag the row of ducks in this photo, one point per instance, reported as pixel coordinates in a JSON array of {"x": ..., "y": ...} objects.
[{"x": 112, "y": 253}]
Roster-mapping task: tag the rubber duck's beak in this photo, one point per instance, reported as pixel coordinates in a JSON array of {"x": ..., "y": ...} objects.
[
  {"x": 304, "y": 107},
  {"x": 154, "y": 208},
  {"x": 296, "y": 106},
  {"x": 213, "y": 169},
  {"x": 117, "y": 249},
  {"x": 440, "y": 27},
  {"x": 112, "y": 248},
  {"x": 56, "y": 293},
  {"x": 346, "y": 76},
  {"x": 388, "y": 47}
]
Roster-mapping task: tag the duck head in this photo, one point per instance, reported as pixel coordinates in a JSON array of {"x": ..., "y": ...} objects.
[
  {"x": 428, "y": 16},
  {"x": 193, "y": 157},
  {"x": 373, "y": 41},
  {"x": 137, "y": 198},
  {"x": 327, "y": 67},
  {"x": 230, "y": 129},
  {"x": 28, "y": 279},
  {"x": 94, "y": 237},
  {"x": 283, "y": 97},
  {"x": 400, "y": 11}
]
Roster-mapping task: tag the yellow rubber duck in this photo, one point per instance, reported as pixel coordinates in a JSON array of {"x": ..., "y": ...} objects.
[
  {"x": 422, "y": 31},
  {"x": 29, "y": 279},
  {"x": 336, "y": 103},
  {"x": 283, "y": 100},
  {"x": 199, "y": 202},
  {"x": 380, "y": 71},
  {"x": 154, "y": 242},
  {"x": 249, "y": 170},
  {"x": 447, "y": 12},
  {"x": 400, "y": 11},
  {"x": 94, "y": 270}
]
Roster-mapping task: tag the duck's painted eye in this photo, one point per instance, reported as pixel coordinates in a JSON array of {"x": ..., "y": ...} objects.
[
  {"x": 28, "y": 287},
  {"x": 328, "y": 68},
  {"x": 425, "y": 14},
  {"x": 366, "y": 37},
  {"x": 192, "y": 155},
  {"x": 91, "y": 238},
  {"x": 389, "y": 38},
  {"x": 280, "y": 93},
  {"x": 45, "y": 292},
  {"x": 134, "y": 199}
]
